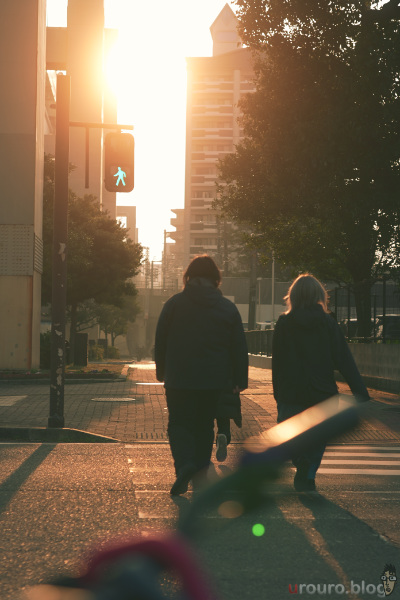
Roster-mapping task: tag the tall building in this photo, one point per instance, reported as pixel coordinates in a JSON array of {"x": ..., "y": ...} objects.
[
  {"x": 126, "y": 216},
  {"x": 214, "y": 87}
]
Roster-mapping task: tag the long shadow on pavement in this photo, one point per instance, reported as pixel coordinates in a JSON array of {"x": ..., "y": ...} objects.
[{"x": 10, "y": 486}]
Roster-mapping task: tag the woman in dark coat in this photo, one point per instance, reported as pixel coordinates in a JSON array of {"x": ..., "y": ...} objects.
[
  {"x": 308, "y": 345},
  {"x": 200, "y": 353}
]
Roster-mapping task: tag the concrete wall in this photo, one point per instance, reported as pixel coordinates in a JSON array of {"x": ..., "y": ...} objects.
[{"x": 379, "y": 364}]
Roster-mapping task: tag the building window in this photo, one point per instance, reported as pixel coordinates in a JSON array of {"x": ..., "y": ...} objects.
[{"x": 202, "y": 194}]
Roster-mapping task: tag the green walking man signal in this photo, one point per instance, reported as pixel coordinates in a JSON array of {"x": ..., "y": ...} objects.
[
  {"x": 119, "y": 158},
  {"x": 121, "y": 176}
]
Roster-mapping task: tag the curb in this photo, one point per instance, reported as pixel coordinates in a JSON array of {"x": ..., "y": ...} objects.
[
  {"x": 54, "y": 435},
  {"x": 260, "y": 361}
]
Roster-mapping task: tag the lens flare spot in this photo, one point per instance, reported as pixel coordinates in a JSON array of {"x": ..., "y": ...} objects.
[
  {"x": 258, "y": 529},
  {"x": 230, "y": 509}
]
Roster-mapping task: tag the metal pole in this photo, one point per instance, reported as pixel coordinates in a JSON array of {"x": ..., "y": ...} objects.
[
  {"x": 251, "y": 321},
  {"x": 273, "y": 291},
  {"x": 164, "y": 266},
  {"x": 348, "y": 311},
  {"x": 384, "y": 310},
  {"x": 60, "y": 232},
  {"x": 87, "y": 158}
]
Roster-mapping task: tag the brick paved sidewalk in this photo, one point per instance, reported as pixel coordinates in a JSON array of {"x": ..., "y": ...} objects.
[{"x": 135, "y": 409}]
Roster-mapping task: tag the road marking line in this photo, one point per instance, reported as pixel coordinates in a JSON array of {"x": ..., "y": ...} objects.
[
  {"x": 391, "y": 472},
  {"x": 370, "y": 454},
  {"x": 344, "y": 447},
  {"x": 361, "y": 462},
  {"x": 113, "y": 399},
  {"x": 10, "y": 400}
]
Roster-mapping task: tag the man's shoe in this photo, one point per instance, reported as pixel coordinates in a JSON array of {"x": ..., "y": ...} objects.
[
  {"x": 300, "y": 479},
  {"x": 311, "y": 485},
  {"x": 304, "y": 485},
  {"x": 222, "y": 444},
  {"x": 181, "y": 484}
]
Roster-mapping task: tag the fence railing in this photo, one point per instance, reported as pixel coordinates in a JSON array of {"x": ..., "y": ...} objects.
[
  {"x": 259, "y": 342},
  {"x": 384, "y": 311}
]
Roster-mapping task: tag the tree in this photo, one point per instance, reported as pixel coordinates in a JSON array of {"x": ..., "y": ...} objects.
[
  {"x": 102, "y": 259},
  {"x": 114, "y": 320},
  {"x": 317, "y": 176}
]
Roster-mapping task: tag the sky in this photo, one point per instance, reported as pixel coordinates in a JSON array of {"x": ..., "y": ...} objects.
[{"x": 148, "y": 73}]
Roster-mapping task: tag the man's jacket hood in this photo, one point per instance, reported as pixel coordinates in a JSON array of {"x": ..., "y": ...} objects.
[{"x": 202, "y": 291}]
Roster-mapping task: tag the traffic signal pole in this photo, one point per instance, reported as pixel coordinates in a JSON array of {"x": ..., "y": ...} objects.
[
  {"x": 60, "y": 238},
  {"x": 60, "y": 233}
]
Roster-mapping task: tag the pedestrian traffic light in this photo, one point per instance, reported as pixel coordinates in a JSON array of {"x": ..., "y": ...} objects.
[{"x": 119, "y": 157}]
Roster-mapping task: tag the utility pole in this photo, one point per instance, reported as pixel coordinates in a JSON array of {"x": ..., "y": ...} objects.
[
  {"x": 165, "y": 259},
  {"x": 273, "y": 291},
  {"x": 251, "y": 325}
]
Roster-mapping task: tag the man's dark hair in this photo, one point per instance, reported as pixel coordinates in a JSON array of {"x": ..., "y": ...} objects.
[
  {"x": 203, "y": 266},
  {"x": 389, "y": 568}
]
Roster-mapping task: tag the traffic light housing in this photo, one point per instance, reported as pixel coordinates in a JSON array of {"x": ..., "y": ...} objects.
[{"x": 119, "y": 158}]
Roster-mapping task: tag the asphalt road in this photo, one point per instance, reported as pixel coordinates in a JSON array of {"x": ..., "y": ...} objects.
[{"x": 57, "y": 501}]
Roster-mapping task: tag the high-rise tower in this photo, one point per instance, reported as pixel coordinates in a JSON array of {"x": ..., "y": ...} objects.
[{"x": 214, "y": 88}]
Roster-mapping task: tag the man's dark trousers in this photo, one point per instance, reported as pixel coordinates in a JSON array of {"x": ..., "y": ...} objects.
[{"x": 191, "y": 426}]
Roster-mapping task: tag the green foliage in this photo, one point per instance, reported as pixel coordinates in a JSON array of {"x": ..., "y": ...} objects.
[
  {"x": 112, "y": 352},
  {"x": 114, "y": 320},
  {"x": 101, "y": 258},
  {"x": 96, "y": 352},
  {"x": 317, "y": 176}
]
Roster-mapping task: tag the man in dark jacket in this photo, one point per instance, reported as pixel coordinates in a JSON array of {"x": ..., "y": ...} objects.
[{"x": 200, "y": 352}]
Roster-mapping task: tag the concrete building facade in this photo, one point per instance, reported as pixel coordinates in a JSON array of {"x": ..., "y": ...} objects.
[
  {"x": 22, "y": 129},
  {"x": 215, "y": 86}
]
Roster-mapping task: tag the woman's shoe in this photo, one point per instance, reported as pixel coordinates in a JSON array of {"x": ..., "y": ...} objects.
[
  {"x": 302, "y": 484},
  {"x": 300, "y": 479}
]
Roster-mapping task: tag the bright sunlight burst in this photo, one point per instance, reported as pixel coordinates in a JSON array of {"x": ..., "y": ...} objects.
[{"x": 146, "y": 70}]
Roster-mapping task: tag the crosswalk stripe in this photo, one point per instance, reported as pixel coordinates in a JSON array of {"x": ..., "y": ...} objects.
[
  {"x": 345, "y": 447},
  {"x": 367, "y": 456},
  {"x": 390, "y": 472},
  {"x": 370, "y": 454},
  {"x": 361, "y": 462}
]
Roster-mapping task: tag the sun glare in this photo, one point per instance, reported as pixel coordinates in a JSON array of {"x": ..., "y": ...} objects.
[
  {"x": 145, "y": 70},
  {"x": 114, "y": 70}
]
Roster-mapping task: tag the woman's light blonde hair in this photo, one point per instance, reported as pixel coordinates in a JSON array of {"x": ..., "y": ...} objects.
[{"x": 306, "y": 290}]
